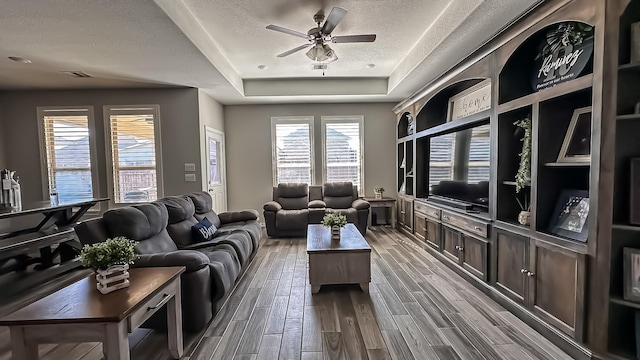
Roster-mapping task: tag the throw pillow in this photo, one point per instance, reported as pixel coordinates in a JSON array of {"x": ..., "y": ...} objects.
[{"x": 203, "y": 231}]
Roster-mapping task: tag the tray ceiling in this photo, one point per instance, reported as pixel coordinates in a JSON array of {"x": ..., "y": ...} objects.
[{"x": 218, "y": 45}]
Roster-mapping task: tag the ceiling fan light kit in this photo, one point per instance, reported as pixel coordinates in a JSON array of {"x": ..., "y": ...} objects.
[{"x": 319, "y": 35}]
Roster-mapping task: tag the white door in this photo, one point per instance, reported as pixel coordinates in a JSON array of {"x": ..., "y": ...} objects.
[{"x": 216, "y": 171}]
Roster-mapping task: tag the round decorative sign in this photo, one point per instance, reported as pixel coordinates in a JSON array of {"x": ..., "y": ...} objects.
[{"x": 563, "y": 56}]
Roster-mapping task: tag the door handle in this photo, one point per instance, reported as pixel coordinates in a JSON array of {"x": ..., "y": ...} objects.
[
  {"x": 530, "y": 274},
  {"x": 523, "y": 271}
]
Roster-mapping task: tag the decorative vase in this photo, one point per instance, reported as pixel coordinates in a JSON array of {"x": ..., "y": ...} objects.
[
  {"x": 113, "y": 278},
  {"x": 335, "y": 232},
  {"x": 378, "y": 195},
  {"x": 524, "y": 217}
]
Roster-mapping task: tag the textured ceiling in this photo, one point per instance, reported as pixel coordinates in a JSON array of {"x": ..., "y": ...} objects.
[{"x": 217, "y": 45}]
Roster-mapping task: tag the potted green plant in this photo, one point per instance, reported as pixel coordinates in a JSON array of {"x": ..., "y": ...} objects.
[
  {"x": 110, "y": 260},
  {"x": 523, "y": 176},
  {"x": 378, "y": 192},
  {"x": 335, "y": 221}
]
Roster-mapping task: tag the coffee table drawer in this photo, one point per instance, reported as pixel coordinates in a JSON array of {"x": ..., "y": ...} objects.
[{"x": 152, "y": 305}]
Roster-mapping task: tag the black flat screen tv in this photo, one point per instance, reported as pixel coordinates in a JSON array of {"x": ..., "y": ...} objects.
[{"x": 459, "y": 167}]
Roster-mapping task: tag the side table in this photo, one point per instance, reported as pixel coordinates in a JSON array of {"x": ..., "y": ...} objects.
[
  {"x": 387, "y": 203},
  {"x": 80, "y": 313}
]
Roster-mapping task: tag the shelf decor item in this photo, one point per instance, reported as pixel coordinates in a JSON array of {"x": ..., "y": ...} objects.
[
  {"x": 564, "y": 54},
  {"x": 110, "y": 260},
  {"x": 411, "y": 125},
  {"x": 569, "y": 218},
  {"x": 635, "y": 42},
  {"x": 335, "y": 221},
  {"x": 471, "y": 101},
  {"x": 523, "y": 176},
  {"x": 634, "y": 192},
  {"x": 378, "y": 191},
  {"x": 524, "y": 218},
  {"x": 631, "y": 263},
  {"x": 576, "y": 147}
]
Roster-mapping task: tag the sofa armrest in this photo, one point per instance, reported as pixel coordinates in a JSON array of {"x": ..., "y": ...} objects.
[
  {"x": 317, "y": 204},
  {"x": 191, "y": 260},
  {"x": 235, "y": 216},
  {"x": 360, "y": 204},
  {"x": 272, "y": 206}
]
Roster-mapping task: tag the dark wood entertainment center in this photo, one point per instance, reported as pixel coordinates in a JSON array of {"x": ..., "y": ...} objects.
[{"x": 568, "y": 290}]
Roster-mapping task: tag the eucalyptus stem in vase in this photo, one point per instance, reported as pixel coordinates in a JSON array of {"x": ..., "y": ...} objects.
[{"x": 523, "y": 176}]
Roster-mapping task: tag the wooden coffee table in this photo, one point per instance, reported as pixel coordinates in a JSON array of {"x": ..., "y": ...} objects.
[
  {"x": 80, "y": 313},
  {"x": 347, "y": 261}
]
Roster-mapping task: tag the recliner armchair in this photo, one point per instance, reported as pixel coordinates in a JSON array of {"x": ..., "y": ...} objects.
[
  {"x": 288, "y": 214},
  {"x": 342, "y": 197}
]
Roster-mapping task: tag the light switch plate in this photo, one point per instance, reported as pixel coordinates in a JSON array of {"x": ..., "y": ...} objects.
[
  {"x": 190, "y": 177},
  {"x": 190, "y": 167}
]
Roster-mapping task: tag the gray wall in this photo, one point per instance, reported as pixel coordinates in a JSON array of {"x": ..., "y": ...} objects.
[
  {"x": 2, "y": 142},
  {"x": 178, "y": 125},
  {"x": 248, "y": 140}
]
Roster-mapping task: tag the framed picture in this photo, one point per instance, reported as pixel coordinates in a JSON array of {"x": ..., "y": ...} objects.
[
  {"x": 569, "y": 218},
  {"x": 576, "y": 146},
  {"x": 631, "y": 274}
]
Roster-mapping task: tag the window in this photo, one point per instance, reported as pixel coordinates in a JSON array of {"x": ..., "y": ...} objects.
[
  {"x": 342, "y": 145},
  {"x": 134, "y": 134},
  {"x": 292, "y": 146},
  {"x": 67, "y": 152}
]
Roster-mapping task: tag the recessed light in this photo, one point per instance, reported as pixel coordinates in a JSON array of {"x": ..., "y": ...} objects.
[
  {"x": 263, "y": 67},
  {"x": 20, "y": 59},
  {"x": 371, "y": 66}
]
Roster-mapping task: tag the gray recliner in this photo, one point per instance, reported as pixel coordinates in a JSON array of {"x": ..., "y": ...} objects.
[
  {"x": 342, "y": 197},
  {"x": 288, "y": 214}
]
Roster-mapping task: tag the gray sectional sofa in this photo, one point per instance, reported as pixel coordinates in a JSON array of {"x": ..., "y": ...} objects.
[
  {"x": 164, "y": 235},
  {"x": 295, "y": 205}
]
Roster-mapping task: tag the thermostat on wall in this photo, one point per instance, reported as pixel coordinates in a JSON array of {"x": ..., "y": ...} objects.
[
  {"x": 190, "y": 167},
  {"x": 190, "y": 177}
]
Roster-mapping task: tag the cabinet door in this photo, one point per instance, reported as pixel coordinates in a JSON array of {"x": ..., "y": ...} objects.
[
  {"x": 408, "y": 214},
  {"x": 420, "y": 226},
  {"x": 512, "y": 259},
  {"x": 451, "y": 243},
  {"x": 474, "y": 255},
  {"x": 432, "y": 234},
  {"x": 557, "y": 287},
  {"x": 400, "y": 212}
]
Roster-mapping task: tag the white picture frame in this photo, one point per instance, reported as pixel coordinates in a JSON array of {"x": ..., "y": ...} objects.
[
  {"x": 576, "y": 147},
  {"x": 470, "y": 101}
]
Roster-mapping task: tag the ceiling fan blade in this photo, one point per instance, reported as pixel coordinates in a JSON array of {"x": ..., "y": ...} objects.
[
  {"x": 295, "y": 49},
  {"x": 288, "y": 31},
  {"x": 334, "y": 18},
  {"x": 354, "y": 38}
]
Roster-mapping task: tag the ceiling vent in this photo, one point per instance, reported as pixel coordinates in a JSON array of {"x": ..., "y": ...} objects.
[{"x": 80, "y": 74}]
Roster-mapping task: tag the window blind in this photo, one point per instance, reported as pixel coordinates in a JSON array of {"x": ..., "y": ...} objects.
[
  {"x": 133, "y": 149},
  {"x": 293, "y": 152},
  {"x": 67, "y": 152},
  {"x": 343, "y": 152}
]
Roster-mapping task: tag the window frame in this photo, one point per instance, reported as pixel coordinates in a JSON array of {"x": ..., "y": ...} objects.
[
  {"x": 109, "y": 110},
  {"x": 359, "y": 119},
  {"x": 42, "y": 139},
  {"x": 309, "y": 120}
]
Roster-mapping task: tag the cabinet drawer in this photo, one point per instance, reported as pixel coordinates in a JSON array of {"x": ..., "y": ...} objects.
[
  {"x": 427, "y": 210},
  {"x": 152, "y": 305},
  {"x": 464, "y": 223}
]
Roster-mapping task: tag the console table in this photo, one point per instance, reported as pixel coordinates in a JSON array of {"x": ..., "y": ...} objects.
[
  {"x": 80, "y": 313},
  {"x": 41, "y": 237},
  {"x": 389, "y": 206}
]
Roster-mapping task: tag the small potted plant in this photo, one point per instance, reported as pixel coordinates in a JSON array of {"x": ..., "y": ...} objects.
[
  {"x": 524, "y": 218},
  {"x": 378, "y": 191},
  {"x": 110, "y": 260},
  {"x": 335, "y": 221}
]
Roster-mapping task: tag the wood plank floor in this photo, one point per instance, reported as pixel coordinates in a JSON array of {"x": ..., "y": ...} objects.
[{"x": 416, "y": 309}]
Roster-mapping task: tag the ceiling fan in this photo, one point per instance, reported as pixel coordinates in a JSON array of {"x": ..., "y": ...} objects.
[{"x": 318, "y": 36}]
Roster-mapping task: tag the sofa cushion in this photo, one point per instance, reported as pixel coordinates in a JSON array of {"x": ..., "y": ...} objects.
[
  {"x": 293, "y": 190},
  {"x": 293, "y": 203},
  {"x": 292, "y": 219},
  {"x": 338, "y": 195},
  {"x": 145, "y": 223},
  {"x": 204, "y": 207},
  {"x": 204, "y": 230}
]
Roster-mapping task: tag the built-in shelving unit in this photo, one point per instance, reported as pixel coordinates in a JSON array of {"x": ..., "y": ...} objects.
[
  {"x": 564, "y": 294},
  {"x": 621, "y": 324}
]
